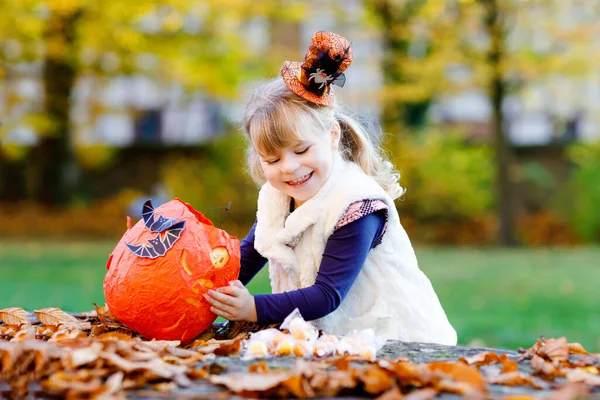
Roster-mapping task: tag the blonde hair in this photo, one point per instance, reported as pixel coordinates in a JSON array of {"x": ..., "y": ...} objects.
[{"x": 275, "y": 118}]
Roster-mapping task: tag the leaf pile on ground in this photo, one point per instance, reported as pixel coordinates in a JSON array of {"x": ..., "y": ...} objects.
[
  {"x": 91, "y": 355},
  {"x": 551, "y": 369}
]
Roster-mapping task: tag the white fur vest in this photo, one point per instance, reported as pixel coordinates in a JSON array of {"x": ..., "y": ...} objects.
[{"x": 391, "y": 294}]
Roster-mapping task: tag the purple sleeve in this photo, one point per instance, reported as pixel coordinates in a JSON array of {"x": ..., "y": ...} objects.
[
  {"x": 251, "y": 260},
  {"x": 345, "y": 253}
]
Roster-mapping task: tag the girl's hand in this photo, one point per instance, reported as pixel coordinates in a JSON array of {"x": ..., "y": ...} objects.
[{"x": 233, "y": 302}]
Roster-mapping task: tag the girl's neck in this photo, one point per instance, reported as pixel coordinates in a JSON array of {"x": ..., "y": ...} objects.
[{"x": 294, "y": 204}]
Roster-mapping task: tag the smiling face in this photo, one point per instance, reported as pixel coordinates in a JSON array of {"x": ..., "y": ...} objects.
[
  {"x": 301, "y": 168},
  {"x": 293, "y": 142}
]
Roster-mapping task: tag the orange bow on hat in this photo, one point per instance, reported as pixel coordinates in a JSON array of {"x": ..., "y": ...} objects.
[{"x": 326, "y": 59}]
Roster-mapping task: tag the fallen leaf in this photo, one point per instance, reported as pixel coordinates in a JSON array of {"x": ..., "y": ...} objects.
[
  {"x": 114, "y": 335},
  {"x": 14, "y": 316},
  {"x": 61, "y": 381},
  {"x": 392, "y": 394},
  {"x": 9, "y": 331},
  {"x": 508, "y": 365},
  {"x": 330, "y": 383},
  {"x": 515, "y": 379},
  {"x": 210, "y": 349},
  {"x": 581, "y": 375},
  {"x": 156, "y": 366},
  {"x": 156, "y": 345},
  {"x": 570, "y": 391},
  {"x": 459, "y": 372},
  {"x": 422, "y": 394},
  {"x": 545, "y": 368},
  {"x": 484, "y": 358},
  {"x": 407, "y": 373},
  {"x": 55, "y": 317},
  {"x": 461, "y": 388},
  {"x": 342, "y": 364},
  {"x": 26, "y": 332},
  {"x": 259, "y": 368},
  {"x": 90, "y": 314},
  {"x": 183, "y": 353},
  {"x": 555, "y": 350},
  {"x": 84, "y": 355},
  {"x": 64, "y": 334},
  {"x": 164, "y": 386},
  {"x": 298, "y": 386},
  {"x": 530, "y": 351},
  {"x": 375, "y": 379},
  {"x": 576, "y": 348},
  {"x": 250, "y": 382},
  {"x": 229, "y": 348},
  {"x": 113, "y": 384}
]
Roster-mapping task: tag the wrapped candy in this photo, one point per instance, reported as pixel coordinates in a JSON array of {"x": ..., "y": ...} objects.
[
  {"x": 160, "y": 269},
  {"x": 303, "y": 341},
  {"x": 326, "y": 345},
  {"x": 299, "y": 328},
  {"x": 262, "y": 343},
  {"x": 363, "y": 343},
  {"x": 290, "y": 346}
]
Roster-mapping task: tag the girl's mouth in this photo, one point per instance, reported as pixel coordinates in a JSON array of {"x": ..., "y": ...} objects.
[{"x": 301, "y": 180}]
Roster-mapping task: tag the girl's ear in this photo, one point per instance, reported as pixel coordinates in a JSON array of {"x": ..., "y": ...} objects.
[{"x": 335, "y": 136}]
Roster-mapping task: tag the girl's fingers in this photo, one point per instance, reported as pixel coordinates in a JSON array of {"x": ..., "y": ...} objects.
[
  {"x": 229, "y": 290},
  {"x": 237, "y": 283},
  {"x": 221, "y": 313},
  {"x": 221, "y": 297},
  {"x": 224, "y": 308}
]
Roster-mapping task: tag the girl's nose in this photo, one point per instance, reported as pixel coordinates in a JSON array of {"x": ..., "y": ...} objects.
[{"x": 289, "y": 165}]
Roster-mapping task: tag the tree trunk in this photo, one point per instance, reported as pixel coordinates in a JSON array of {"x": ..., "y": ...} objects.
[
  {"x": 497, "y": 88},
  {"x": 395, "y": 18},
  {"x": 53, "y": 155},
  {"x": 13, "y": 188}
]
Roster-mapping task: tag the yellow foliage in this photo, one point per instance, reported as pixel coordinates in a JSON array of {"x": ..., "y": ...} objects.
[
  {"x": 14, "y": 152},
  {"x": 56, "y": 47},
  {"x": 64, "y": 7},
  {"x": 444, "y": 177},
  {"x": 30, "y": 26},
  {"x": 94, "y": 156}
]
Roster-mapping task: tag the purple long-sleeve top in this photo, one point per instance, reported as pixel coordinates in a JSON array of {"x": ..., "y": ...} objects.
[{"x": 345, "y": 253}]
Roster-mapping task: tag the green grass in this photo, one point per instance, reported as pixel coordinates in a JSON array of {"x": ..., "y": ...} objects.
[{"x": 501, "y": 298}]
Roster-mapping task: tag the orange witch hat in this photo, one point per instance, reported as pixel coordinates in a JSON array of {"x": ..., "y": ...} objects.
[{"x": 326, "y": 59}]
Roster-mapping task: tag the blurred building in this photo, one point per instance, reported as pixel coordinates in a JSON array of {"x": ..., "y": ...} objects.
[
  {"x": 550, "y": 109},
  {"x": 137, "y": 110},
  {"x": 126, "y": 111}
]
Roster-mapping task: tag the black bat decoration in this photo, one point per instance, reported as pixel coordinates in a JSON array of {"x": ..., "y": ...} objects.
[
  {"x": 158, "y": 225},
  {"x": 160, "y": 244}
]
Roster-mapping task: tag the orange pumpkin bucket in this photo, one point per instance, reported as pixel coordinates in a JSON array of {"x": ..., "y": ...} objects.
[{"x": 162, "y": 266}]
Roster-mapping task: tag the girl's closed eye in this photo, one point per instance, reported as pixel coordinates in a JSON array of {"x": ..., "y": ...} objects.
[
  {"x": 303, "y": 150},
  {"x": 273, "y": 161}
]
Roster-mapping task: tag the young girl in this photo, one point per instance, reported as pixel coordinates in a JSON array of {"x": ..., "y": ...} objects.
[{"x": 326, "y": 219}]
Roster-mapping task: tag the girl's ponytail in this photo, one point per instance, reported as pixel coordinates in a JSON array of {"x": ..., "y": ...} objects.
[{"x": 358, "y": 147}]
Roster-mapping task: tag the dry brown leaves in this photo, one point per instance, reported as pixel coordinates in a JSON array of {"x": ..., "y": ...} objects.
[
  {"x": 14, "y": 316},
  {"x": 91, "y": 367},
  {"x": 93, "y": 355},
  {"x": 401, "y": 379}
]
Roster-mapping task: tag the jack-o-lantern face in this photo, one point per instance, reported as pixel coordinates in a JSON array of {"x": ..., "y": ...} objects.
[{"x": 159, "y": 271}]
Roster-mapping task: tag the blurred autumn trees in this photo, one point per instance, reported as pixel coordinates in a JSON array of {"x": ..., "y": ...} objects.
[
  {"x": 496, "y": 46},
  {"x": 432, "y": 49},
  {"x": 200, "y": 45}
]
